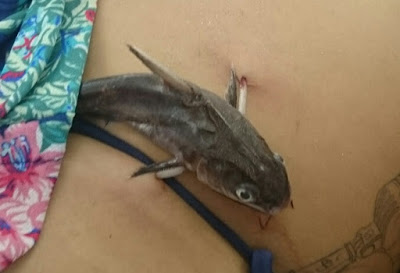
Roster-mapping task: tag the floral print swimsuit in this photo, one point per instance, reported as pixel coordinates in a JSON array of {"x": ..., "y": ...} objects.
[{"x": 43, "y": 50}]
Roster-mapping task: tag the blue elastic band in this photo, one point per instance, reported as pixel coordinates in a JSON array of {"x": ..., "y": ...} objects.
[{"x": 260, "y": 261}]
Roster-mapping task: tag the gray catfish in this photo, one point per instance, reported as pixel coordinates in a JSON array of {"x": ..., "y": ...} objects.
[{"x": 204, "y": 133}]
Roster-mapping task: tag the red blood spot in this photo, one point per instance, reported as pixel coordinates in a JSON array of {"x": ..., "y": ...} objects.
[{"x": 243, "y": 80}]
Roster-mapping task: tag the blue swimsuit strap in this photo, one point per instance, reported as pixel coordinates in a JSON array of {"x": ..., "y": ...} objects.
[{"x": 260, "y": 260}]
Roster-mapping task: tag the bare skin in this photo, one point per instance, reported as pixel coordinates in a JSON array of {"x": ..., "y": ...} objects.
[{"x": 322, "y": 88}]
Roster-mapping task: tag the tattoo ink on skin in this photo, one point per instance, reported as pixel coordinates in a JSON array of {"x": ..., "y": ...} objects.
[{"x": 380, "y": 237}]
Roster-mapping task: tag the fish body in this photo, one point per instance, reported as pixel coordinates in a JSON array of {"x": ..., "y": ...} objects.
[{"x": 202, "y": 131}]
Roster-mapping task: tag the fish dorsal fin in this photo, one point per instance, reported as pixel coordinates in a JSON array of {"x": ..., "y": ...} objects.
[
  {"x": 179, "y": 84},
  {"x": 169, "y": 77}
]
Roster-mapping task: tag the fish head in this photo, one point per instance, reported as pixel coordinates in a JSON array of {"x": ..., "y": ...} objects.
[{"x": 264, "y": 187}]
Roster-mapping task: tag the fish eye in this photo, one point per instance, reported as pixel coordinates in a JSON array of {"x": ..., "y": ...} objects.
[{"x": 246, "y": 193}]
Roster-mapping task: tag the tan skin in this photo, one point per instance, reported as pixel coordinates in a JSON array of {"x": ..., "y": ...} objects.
[{"x": 324, "y": 92}]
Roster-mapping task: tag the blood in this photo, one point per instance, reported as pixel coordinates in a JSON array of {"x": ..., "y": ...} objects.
[
  {"x": 291, "y": 204},
  {"x": 243, "y": 80}
]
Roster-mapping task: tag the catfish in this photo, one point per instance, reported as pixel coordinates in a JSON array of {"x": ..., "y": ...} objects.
[{"x": 203, "y": 132}]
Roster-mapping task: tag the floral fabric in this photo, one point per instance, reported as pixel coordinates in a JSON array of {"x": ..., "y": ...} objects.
[{"x": 43, "y": 50}]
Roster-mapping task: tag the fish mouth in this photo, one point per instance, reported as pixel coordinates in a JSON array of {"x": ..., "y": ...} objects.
[
  {"x": 270, "y": 211},
  {"x": 276, "y": 210},
  {"x": 254, "y": 206}
]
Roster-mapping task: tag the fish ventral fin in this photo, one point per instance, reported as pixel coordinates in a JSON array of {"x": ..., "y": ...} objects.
[{"x": 169, "y": 168}]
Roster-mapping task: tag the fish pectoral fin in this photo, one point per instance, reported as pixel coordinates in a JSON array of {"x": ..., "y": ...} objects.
[
  {"x": 242, "y": 96},
  {"x": 231, "y": 92},
  {"x": 165, "y": 169}
]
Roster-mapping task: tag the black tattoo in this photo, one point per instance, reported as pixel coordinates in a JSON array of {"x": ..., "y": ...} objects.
[{"x": 382, "y": 236}]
